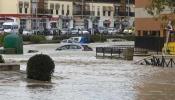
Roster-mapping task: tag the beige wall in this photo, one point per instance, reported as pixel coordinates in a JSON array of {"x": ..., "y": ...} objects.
[
  {"x": 11, "y": 6},
  {"x": 8, "y": 7}
]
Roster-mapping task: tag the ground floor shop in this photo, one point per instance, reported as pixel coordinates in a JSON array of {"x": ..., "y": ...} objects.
[{"x": 61, "y": 22}]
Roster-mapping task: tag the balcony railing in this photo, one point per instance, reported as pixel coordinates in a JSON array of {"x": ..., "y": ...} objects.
[
  {"x": 83, "y": 13},
  {"x": 43, "y": 12},
  {"x": 131, "y": 14}
]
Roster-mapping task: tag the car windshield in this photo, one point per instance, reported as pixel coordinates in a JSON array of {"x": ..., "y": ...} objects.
[{"x": 7, "y": 26}]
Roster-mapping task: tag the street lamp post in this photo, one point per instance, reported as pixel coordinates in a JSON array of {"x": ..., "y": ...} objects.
[
  {"x": 92, "y": 18},
  {"x": 128, "y": 8}
]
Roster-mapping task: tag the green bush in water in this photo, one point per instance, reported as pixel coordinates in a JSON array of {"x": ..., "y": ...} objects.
[
  {"x": 40, "y": 67},
  {"x": 1, "y": 59},
  {"x": 37, "y": 38}
]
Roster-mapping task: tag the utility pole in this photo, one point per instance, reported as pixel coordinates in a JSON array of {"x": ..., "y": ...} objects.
[
  {"x": 82, "y": 8},
  {"x": 92, "y": 17},
  {"x": 128, "y": 7}
]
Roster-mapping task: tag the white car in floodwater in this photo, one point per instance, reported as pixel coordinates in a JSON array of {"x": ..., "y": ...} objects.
[{"x": 81, "y": 47}]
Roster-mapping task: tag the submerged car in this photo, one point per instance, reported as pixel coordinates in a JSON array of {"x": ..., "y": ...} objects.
[
  {"x": 68, "y": 41},
  {"x": 81, "y": 47}
]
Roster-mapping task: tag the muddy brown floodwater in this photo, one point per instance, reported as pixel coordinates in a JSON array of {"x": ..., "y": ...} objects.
[{"x": 80, "y": 76}]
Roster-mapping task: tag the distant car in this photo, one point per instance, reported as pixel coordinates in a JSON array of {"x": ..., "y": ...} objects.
[
  {"x": 74, "y": 31},
  {"x": 27, "y": 32},
  {"x": 68, "y": 41},
  {"x": 54, "y": 31},
  {"x": 38, "y": 31},
  {"x": 103, "y": 30},
  {"x": 112, "y": 31},
  {"x": 76, "y": 47},
  {"x": 47, "y": 32},
  {"x": 128, "y": 31},
  {"x": 65, "y": 31},
  {"x": 80, "y": 39},
  {"x": 84, "y": 31}
]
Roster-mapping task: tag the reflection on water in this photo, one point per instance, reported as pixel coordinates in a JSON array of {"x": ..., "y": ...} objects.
[
  {"x": 159, "y": 86},
  {"x": 80, "y": 76}
]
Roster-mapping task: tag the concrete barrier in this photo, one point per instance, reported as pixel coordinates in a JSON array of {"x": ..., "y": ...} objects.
[
  {"x": 128, "y": 53},
  {"x": 9, "y": 67}
]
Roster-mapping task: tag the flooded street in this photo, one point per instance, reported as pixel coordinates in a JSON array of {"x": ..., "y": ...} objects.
[{"x": 80, "y": 76}]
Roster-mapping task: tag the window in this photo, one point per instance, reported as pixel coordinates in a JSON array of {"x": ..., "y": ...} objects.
[
  {"x": 98, "y": 11},
  {"x": 62, "y": 9},
  {"x": 104, "y": 13},
  {"x": 139, "y": 33},
  {"x": 62, "y": 12},
  {"x": 23, "y": 23},
  {"x": 21, "y": 5},
  {"x": 145, "y": 33},
  {"x": 20, "y": 10},
  {"x": 65, "y": 47},
  {"x": 68, "y": 10},
  {"x": 57, "y": 6},
  {"x": 75, "y": 47},
  {"x": 51, "y": 11},
  {"x": 109, "y": 13},
  {"x": 26, "y": 10},
  {"x": 56, "y": 12},
  {"x": 51, "y": 6}
]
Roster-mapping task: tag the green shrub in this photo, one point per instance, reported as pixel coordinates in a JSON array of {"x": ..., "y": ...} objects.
[
  {"x": 129, "y": 37},
  {"x": 26, "y": 37},
  {"x": 60, "y": 37},
  {"x": 98, "y": 38},
  {"x": 37, "y": 38},
  {"x": 2, "y": 59},
  {"x": 2, "y": 38},
  {"x": 40, "y": 67}
]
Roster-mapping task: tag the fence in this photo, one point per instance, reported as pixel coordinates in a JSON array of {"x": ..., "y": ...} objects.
[{"x": 149, "y": 43}]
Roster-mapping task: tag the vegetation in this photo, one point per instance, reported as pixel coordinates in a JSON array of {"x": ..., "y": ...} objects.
[
  {"x": 98, "y": 38},
  {"x": 26, "y": 37},
  {"x": 2, "y": 59},
  {"x": 156, "y": 9},
  {"x": 37, "y": 38},
  {"x": 2, "y": 38},
  {"x": 40, "y": 67}
]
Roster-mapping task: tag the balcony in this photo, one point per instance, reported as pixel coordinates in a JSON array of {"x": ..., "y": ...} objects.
[
  {"x": 131, "y": 14},
  {"x": 83, "y": 13},
  {"x": 44, "y": 12}
]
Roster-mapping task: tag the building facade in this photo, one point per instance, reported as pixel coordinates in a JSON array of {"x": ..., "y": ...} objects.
[
  {"x": 40, "y": 14},
  {"x": 147, "y": 25}
]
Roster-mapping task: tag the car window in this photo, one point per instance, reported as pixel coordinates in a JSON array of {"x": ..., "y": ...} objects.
[
  {"x": 75, "y": 47},
  {"x": 76, "y": 39},
  {"x": 65, "y": 47}
]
